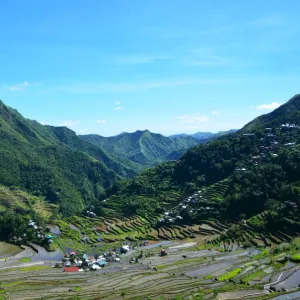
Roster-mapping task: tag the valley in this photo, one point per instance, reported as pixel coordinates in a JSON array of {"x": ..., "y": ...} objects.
[
  {"x": 226, "y": 213},
  {"x": 191, "y": 270},
  {"x": 149, "y": 150}
]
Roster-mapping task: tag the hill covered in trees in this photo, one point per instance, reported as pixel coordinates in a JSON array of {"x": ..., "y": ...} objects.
[
  {"x": 69, "y": 172},
  {"x": 143, "y": 147},
  {"x": 254, "y": 170},
  {"x": 53, "y": 162}
]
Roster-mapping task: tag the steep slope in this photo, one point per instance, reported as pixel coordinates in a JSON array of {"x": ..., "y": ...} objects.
[
  {"x": 121, "y": 166},
  {"x": 237, "y": 174},
  {"x": 288, "y": 112},
  {"x": 32, "y": 157},
  {"x": 142, "y": 147}
]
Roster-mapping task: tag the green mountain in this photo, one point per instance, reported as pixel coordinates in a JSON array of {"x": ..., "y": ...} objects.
[
  {"x": 288, "y": 112},
  {"x": 54, "y": 163},
  {"x": 121, "y": 166},
  {"x": 242, "y": 174},
  {"x": 142, "y": 147}
]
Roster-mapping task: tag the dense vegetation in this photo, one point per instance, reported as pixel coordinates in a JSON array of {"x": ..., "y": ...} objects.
[
  {"x": 49, "y": 162},
  {"x": 261, "y": 169},
  {"x": 143, "y": 147}
]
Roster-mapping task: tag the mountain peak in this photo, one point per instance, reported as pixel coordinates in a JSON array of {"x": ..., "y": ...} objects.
[
  {"x": 296, "y": 97},
  {"x": 284, "y": 113},
  {"x": 142, "y": 131}
]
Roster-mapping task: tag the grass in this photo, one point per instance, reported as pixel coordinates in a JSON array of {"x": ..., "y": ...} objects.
[
  {"x": 276, "y": 265},
  {"x": 230, "y": 274},
  {"x": 34, "y": 268},
  {"x": 265, "y": 253},
  {"x": 25, "y": 260},
  {"x": 11, "y": 284},
  {"x": 296, "y": 257},
  {"x": 230, "y": 287},
  {"x": 77, "y": 289},
  {"x": 258, "y": 274}
]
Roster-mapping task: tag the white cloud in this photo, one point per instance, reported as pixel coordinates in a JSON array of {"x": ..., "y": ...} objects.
[
  {"x": 118, "y": 105},
  {"x": 215, "y": 112},
  {"x": 270, "y": 106},
  {"x": 18, "y": 87},
  {"x": 68, "y": 123},
  {"x": 101, "y": 121},
  {"x": 192, "y": 119}
]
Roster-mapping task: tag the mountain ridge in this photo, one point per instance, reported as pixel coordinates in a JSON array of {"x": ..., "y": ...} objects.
[
  {"x": 292, "y": 106},
  {"x": 52, "y": 163},
  {"x": 141, "y": 146},
  {"x": 204, "y": 136}
]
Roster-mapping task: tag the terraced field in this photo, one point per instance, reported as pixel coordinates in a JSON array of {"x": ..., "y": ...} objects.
[
  {"x": 246, "y": 234},
  {"x": 17, "y": 199},
  {"x": 82, "y": 233},
  {"x": 189, "y": 271}
]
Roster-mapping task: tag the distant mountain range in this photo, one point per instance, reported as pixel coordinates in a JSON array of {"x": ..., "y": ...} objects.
[
  {"x": 204, "y": 136},
  {"x": 143, "y": 147}
]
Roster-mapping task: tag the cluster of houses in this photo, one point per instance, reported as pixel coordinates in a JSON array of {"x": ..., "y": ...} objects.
[
  {"x": 196, "y": 203},
  {"x": 48, "y": 238},
  {"x": 74, "y": 262},
  {"x": 40, "y": 237},
  {"x": 170, "y": 217},
  {"x": 290, "y": 126},
  {"x": 290, "y": 205},
  {"x": 269, "y": 145},
  {"x": 272, "y": 141},
  {"x": 90, "y": 214}
]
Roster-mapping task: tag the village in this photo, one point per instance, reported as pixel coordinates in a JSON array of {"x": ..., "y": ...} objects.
[{"x": 203, "y": 201}]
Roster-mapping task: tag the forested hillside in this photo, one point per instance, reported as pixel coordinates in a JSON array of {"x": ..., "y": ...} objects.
[
  {"x": 243, "y": 174},
  {"x": 143, "y": 147},
  {"x": 50, "y": 162}
]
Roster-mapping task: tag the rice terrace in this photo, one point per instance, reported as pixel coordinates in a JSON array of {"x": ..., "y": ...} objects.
[{"x": 149, "y": 150}]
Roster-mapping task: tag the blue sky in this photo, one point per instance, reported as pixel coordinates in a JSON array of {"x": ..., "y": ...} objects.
[{"x": 168, "y": 66}]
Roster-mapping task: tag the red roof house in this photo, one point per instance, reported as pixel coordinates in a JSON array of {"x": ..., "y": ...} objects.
[{"x": 71, "y": 269}]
